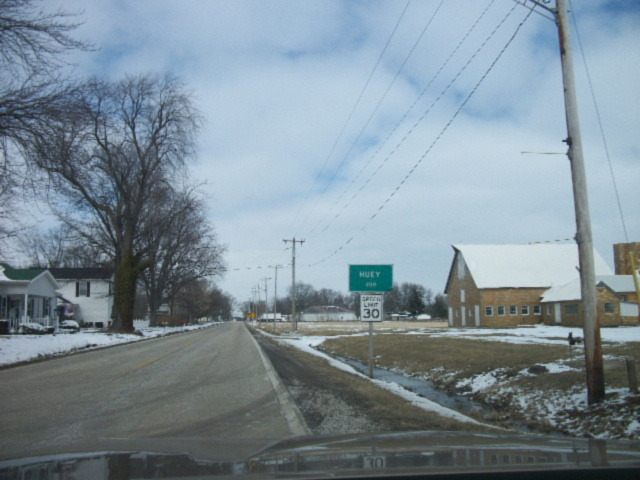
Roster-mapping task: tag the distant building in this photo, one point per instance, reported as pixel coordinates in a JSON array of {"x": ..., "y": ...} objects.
[
  {"x": 617, "y": 302},
  {"x": 328, "y": 314},
  {"x": 27, "y": 295},
  {"x": 87, "y": 294},
  {"x": 503, "y": 285}
]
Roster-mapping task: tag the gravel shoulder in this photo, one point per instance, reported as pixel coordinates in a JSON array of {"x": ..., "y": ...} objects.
[{"x": 334, "y": 402}]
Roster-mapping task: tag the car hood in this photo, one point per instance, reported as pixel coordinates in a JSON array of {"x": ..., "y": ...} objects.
[{"x": 362, "y": 455}]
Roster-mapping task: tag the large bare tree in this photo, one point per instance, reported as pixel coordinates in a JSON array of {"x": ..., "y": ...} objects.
[
  {"x": 107, "y": 156},
  {"x": 32, "y": 48},
  {"x": 183, "y": 247}
]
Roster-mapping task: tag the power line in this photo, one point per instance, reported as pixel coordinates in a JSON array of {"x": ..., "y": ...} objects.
[
  {"x": 375, "y": 109},
  {"x": 353, "y": 109},
  {"x": 410, "y": 131},
  {"x": 435, "y": 141},
  {"x": 604, "y": 139}
]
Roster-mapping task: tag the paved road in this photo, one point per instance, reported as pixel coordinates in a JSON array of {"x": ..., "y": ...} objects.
[{"x": 209, "y": 384}]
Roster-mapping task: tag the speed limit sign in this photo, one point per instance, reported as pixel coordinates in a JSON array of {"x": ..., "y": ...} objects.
[{"x": 371, "y": 308}]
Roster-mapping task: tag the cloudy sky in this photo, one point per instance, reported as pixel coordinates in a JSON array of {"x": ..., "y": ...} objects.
[{"x": 386, "y": 131}]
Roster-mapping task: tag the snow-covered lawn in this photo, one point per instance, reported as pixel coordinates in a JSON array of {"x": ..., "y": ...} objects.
[
  {"x": 519, "y": 392},
  {"x": 22, "y": 348}
]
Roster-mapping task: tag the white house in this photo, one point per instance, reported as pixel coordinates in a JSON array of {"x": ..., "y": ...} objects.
[
  {"x": 87, "y": 294},
  {"x": 27, "y": 295},
  {"x": 328, "y": 314}
]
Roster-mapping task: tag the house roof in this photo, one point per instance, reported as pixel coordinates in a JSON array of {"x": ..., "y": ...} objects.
[
  {"x": 618, "y": 283},
  {"x": 25, "y": 276},
  {"x": 571, "y": 291},
  {"x": 524, "y": 266},
  {"x": 93, "y": 273},
  {"x": 19, "y": 274}
]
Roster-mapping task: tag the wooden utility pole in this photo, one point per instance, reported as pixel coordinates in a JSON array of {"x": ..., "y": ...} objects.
[
  {"x": 584, "y": 238},
  {"x": 293, "y": 280},
  {"x": 275, "y": 294}
]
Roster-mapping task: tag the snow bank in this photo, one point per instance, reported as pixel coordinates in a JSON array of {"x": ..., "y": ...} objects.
[
  {"x": 22, "y": 348},
  {"x": 308, "y": 344}
]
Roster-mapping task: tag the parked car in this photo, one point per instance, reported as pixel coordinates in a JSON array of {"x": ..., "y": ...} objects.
[{"x": 70, "y": 326}]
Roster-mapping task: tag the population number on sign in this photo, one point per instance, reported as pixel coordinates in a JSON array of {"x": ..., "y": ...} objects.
[{"x": 371, "y": 308}]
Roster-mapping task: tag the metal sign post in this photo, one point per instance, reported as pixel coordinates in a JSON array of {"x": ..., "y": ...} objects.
[
  {"x": 371, "y": 311},
  {"x": 371, "y": 281}
]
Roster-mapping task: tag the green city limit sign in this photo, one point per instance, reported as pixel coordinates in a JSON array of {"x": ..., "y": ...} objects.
[{"x": 370, "y": 278}]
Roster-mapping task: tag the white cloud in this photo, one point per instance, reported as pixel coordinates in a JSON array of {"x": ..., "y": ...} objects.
[{"x": 277, "y": 81}]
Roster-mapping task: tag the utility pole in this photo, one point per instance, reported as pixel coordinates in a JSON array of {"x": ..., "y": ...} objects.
[
  {"x": 293, "y": 280},
  {"x": 266, "y": 298},
  {"x": 584, "y": 238},
  {"x": 275, "y": 293}
]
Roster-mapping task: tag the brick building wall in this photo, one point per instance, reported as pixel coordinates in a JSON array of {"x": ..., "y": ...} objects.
[
  {"x": 462, "y": 296},
  {"x": 607, "y": 311},
  {"x": 504, "y": 307},
  {"x": 511, "y": 306},
  {"x": 621, "y": 257}
]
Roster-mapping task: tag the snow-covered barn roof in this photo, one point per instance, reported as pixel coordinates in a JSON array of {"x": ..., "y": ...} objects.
[
  {"x": 524, "y": 266},
  {"x": 571, "y": 291},
  {"x": 618, "y": 283}
]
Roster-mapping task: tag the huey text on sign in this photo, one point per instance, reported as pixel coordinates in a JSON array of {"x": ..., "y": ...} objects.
[{"x": 370, "y": 278}]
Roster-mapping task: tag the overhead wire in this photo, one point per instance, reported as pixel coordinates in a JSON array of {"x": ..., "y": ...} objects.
[
  {"x": 410, "y": 131},
  {"x": 428, "y": 150},
  {"x": 597, "y": 110},
  {"x": 353, "y": 109},
  {"x": 378, "y": 104}
]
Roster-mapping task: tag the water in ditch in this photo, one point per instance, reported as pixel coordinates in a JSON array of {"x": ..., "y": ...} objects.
[{"x": 424, "y": 388}]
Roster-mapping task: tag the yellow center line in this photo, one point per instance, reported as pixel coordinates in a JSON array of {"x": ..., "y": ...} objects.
[
  {"x": 158, "y": 358},
  {"x": 146, "y": 363}
]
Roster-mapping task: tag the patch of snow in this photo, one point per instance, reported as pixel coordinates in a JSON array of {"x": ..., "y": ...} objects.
[
  {"x": 22, "y": 348},
  {"x": 307, "y": 344}
]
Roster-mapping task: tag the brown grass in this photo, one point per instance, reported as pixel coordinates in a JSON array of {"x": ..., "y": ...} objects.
[
  {"x": 379, "y": 404},
  {"x": 422, "y": 354},
  {"x": 346, "y": 328}
]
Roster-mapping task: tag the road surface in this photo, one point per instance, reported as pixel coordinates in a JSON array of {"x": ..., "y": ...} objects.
[{"x": 213, "y": 384}]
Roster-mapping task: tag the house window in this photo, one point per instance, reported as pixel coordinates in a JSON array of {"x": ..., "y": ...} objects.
[
  {"x": 608, "y": 307},
  {"x": 501, "y": 310},
  {"x": 524, "y": 309},
  {"x": 83, "y": 289},
  {"x": 537, "y": 310},
  {"x": 571, "y": 309},
  {"x": 488, "y": 311},
  {"x": 513, "y": 310}
]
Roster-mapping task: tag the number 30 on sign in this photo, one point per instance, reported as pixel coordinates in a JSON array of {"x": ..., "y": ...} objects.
[{"x": 371, "y": 308}]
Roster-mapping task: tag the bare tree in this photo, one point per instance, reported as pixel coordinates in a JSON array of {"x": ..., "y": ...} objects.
[
  {"x": 60, "y": 247},
  {"x": 32, "y": 47},
  {"x": 183, "y": 247},
  {"x": 106, "y": 159}
]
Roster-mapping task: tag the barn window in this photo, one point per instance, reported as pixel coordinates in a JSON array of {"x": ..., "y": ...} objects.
[
  {"x": 571, "y": 309},
  {"x": 488, "y": 311},
  {"x": 608, "y": 307},
  {"x": 501, "y": 310}
]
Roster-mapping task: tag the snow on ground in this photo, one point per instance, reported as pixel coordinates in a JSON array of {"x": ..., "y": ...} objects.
[
  {"x": 542, "y": 334},
  {"x": 308, "y": 344},
  {"x": 22, "y": 348},
  {"x": 564, "y": 411}
]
